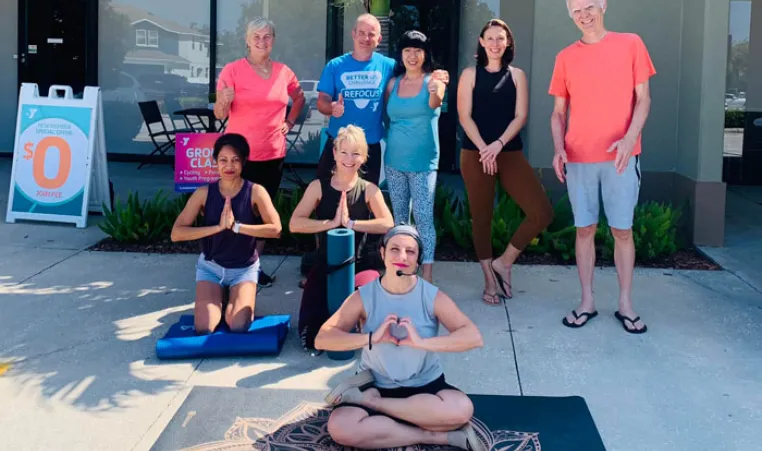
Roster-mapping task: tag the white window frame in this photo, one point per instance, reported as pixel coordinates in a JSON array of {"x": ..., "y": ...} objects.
[
  {"x": 153, "y": 38},
  {"x": 141, "y": 35}
]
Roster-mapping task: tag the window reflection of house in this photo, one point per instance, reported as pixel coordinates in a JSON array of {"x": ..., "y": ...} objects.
[{"x": 161, "y": 46}]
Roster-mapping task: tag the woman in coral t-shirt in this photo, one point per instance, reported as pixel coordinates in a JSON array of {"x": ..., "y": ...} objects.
[{"x": 253, "y": 93}]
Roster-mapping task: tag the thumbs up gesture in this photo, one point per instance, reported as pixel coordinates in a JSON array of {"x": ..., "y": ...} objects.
[
  {"x": 434, "y": 85},
  {"x": 337, "y": 107},
  {"x": 227, "y": 94}
]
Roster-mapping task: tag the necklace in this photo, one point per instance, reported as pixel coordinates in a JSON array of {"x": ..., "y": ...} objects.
[{"x": 264, "y": 68}]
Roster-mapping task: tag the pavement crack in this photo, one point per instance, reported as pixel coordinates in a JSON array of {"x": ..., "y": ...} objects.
[
  {"x": 56, "y": 351},
  {"x": 51, "y": 266},
  {"x": 513, "y": 347}
]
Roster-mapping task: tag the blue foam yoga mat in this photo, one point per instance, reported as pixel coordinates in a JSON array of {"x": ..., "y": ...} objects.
[{"x": 265, "y": 336}]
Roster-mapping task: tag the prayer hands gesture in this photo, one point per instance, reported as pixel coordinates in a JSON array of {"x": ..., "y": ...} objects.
[
  {"x": 227, "y": 219},
  {"x": 342, "y": 212},
  {"x": 337, "y": 107}
]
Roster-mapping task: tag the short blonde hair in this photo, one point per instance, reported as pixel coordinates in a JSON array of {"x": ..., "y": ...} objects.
[{"x": 352, "y": 134}]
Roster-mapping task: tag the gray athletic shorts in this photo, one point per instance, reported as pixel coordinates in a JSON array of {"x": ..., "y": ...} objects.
[{"x": 587, "y": 183}]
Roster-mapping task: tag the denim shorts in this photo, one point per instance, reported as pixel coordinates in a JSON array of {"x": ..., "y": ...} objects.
[
  {"x": 209, "y": 271},
  {"x": 588, "y": 183}
]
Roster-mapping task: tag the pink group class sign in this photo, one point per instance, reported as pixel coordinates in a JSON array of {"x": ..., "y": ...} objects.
[{"x": 194, "y": 164}]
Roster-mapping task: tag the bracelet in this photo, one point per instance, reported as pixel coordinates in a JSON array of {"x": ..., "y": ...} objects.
[
  {"x": 501, "y": 142},
  {"x": 370, "y": 341}
]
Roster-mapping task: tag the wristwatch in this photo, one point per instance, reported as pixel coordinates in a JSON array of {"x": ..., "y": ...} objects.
[{"x": 237, "y": 227}]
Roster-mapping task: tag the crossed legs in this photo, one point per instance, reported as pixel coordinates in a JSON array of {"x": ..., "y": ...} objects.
[
  {"x": 521, "y": 183},
  {"x": 436, "y": 419}
]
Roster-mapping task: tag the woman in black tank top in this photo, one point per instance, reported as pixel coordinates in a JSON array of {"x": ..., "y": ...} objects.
[
  {"x": 343, "y": 200},
  {"x": 492, "y": 107},
  {"x": 236, "y": 213}
]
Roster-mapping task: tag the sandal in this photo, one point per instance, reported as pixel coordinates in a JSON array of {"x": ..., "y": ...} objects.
[
  {"x": 500, "y": 282},
  {"x": 632, "y": 321},
  {"x": 586, "y": 315},
  {"x": 490, "y": 299}
]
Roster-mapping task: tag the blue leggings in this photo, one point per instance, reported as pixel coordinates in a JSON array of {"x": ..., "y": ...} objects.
[{"x": 420, "y": 187}]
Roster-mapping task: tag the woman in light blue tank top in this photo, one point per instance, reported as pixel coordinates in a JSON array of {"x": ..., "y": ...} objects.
[
  {"x": 400, "y": 315},
  {"x": 411, "y": 159}
]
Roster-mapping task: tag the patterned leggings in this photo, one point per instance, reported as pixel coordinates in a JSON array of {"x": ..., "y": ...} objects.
[{"x": 419, "y": 187}]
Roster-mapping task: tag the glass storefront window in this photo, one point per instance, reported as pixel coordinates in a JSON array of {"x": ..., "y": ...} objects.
[
  {"x": 299, "y": 43},
  {"x": 474, "y": 14},
  {"x": 737, "y": 80},
  {"x": 150, "y": 51}
]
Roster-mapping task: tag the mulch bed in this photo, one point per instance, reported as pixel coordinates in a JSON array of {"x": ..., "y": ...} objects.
[{"x": 447, "y": 250}]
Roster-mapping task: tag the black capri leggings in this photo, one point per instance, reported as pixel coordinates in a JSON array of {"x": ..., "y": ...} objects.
[{"x": 266, "y": 173}]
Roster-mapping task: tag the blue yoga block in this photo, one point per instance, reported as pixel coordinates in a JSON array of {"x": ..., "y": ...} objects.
[{"x": 265, "y": 336}]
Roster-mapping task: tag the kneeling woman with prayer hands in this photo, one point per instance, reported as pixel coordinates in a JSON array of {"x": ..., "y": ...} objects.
[{"x": 399, "y": 397}]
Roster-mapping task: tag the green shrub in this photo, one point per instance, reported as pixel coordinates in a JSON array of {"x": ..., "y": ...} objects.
[
  {"x": 285, "y": 203},
  {"x": 142, "y": 223},
  {"x": 735, "y": 119}
]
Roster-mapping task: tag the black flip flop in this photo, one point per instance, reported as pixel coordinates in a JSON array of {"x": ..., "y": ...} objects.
[
  {"x": 623, "y": 318},
  {"x": 578, "y": 316},
  {"x": 500, "y": 281}
]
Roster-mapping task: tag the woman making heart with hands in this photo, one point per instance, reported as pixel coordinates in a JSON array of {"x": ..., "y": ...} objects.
[
  {"x": 399, "y": 397},
  {"x": 342, "y": 200}
]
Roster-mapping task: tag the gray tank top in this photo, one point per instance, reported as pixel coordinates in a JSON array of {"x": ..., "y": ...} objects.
[{"x": 400, "y": 366}]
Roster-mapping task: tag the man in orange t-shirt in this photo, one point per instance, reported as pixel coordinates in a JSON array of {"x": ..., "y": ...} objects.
[{"x": 602, "y": 80}]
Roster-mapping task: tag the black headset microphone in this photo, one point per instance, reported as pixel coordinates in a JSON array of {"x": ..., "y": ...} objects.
[{"x": 400, "y": 273}]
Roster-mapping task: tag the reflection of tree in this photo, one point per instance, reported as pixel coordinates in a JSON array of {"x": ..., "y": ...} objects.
[
  {"x": 429, "y": 17},
  {"x": 476, "y": 14},
  {"x": 295, "y": 43},
  {"x": 114, "y": 42},
  {"x": 738, "y": 66}
]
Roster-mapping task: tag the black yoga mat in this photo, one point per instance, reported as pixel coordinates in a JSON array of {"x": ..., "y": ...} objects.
[{"x": 233, "y": 419}]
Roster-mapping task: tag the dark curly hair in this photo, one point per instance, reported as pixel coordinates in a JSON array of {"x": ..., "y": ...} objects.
[
  {"x": 510, "y": 50},
  {"x": 418, "y": 40},
  {"x": 236, "y": 142}
]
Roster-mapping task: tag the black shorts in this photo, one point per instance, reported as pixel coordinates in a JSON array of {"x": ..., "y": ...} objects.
[
  {"x": 371, "y": 169},
  {"x": 432, "y": 388}
]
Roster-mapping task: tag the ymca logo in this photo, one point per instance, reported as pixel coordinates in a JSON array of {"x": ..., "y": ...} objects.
[{"x": 362, "y": 87}]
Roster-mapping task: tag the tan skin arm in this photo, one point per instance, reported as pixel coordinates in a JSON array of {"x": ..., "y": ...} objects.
[
  {"x": 382, "y": 218},
  {"x": 335, "y": 335},
  {"x": 324, "y": 104},
  {"x": 640, "y": 112},
  {"x": 463, "y": 333},
  {"x": 558, "y": 123},
  {"x": 297, "y": 103},
  {"x": 437, "y": 97},
  {"x": 465, "y": 103},
  {"x": 271, "y": 227},
  {"x": 183, "y": 229}
]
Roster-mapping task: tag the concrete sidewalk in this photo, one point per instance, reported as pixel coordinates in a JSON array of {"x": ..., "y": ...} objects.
[{"x": 80, "y": 328}]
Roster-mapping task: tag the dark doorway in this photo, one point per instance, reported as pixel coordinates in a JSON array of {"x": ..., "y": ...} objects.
[
  {"x": 742, "y": 162},
  {"x": 58, "y": 43},
  {"x": 439, "y": 20}
]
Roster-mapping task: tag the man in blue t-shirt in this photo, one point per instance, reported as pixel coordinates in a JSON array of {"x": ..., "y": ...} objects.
[{"x": 351, "y": 91}]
